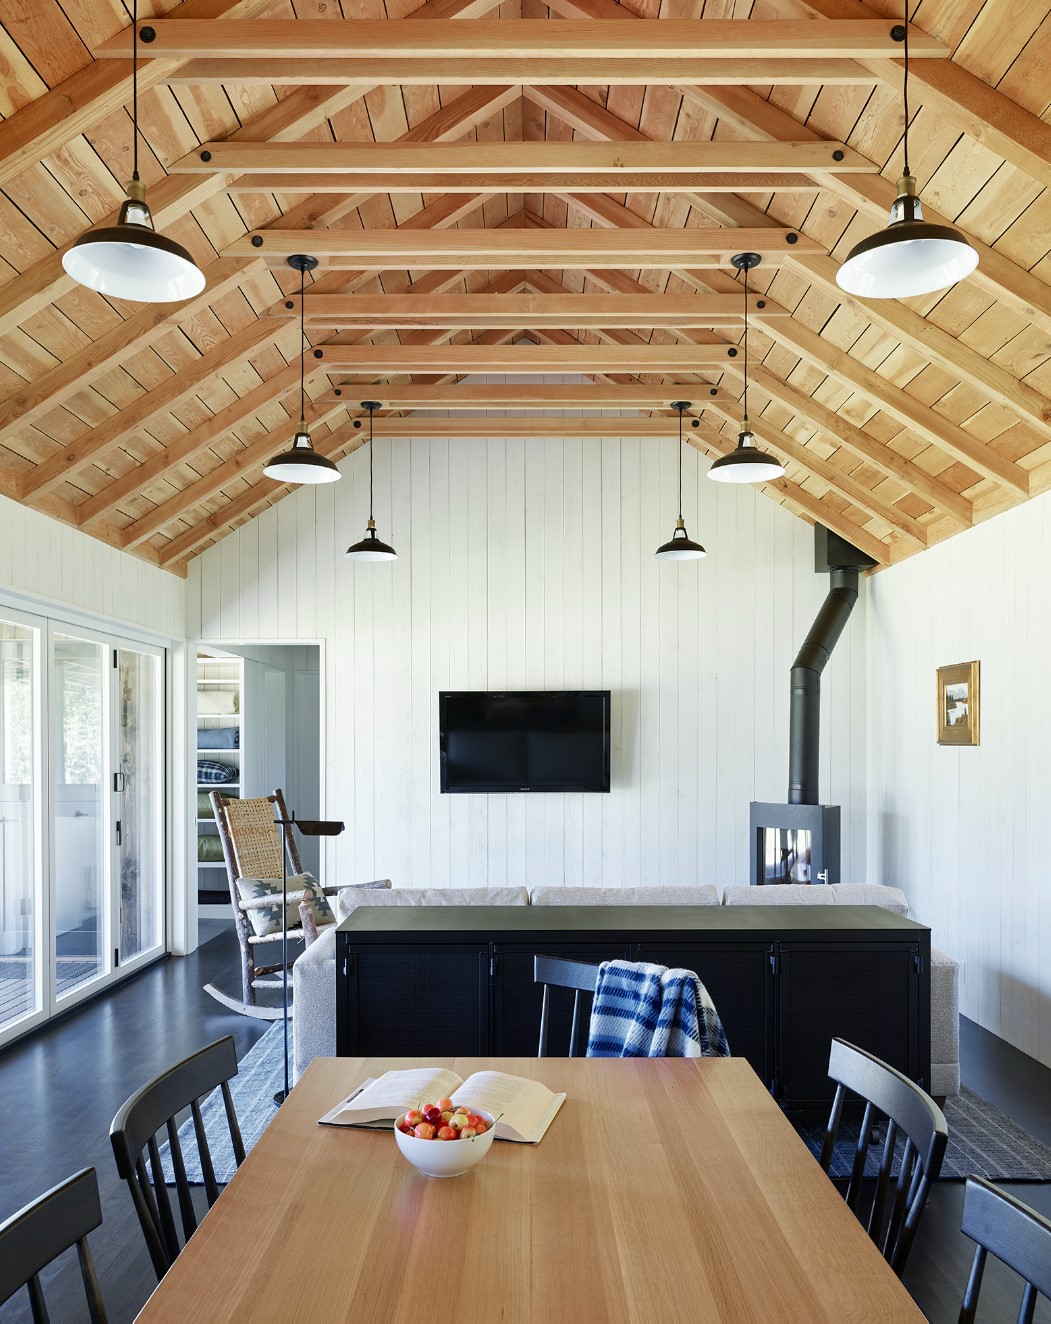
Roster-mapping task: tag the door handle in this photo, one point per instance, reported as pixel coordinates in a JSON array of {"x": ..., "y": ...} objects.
[{"x": 118, "y": 832}]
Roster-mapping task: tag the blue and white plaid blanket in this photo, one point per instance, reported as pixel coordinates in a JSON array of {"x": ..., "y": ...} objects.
[
  {"x": 212, "y": 773},
  {"x": 643, "y": 1010}
]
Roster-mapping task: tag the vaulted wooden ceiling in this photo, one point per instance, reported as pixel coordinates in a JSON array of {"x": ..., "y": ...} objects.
[{"x": 523, "y": 188}]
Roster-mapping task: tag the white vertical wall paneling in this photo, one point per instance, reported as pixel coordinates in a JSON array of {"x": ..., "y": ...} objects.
[
  {"x": 963, "y": 830},
  {"x": 529, "y": 565},
  {"x": 44, "y": 559}
]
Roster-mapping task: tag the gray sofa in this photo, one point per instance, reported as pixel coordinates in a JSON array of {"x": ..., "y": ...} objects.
[{"x": 314, "y": 973}]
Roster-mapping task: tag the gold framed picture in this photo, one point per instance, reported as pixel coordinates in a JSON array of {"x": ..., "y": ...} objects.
[{"x": 958, "y": 704}]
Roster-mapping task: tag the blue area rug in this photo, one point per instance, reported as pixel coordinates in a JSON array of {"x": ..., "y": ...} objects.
[{"x": 982, "y": 1141}]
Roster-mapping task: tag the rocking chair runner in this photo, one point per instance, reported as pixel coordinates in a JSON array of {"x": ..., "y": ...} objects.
[{"x": 251, "y": 838}]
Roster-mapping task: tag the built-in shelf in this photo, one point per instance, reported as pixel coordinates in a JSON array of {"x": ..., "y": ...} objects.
[{"x": 217, "y": 673}]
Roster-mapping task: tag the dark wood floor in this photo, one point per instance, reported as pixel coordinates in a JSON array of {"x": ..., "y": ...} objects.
[{"x": 60, "y": 1089}]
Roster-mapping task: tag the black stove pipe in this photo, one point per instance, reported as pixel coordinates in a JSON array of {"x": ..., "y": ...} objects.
[{"x": 804, "y": 737}]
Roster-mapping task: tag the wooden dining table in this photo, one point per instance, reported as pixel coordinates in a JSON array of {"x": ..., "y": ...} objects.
[{"x": 665, "y": 1190}]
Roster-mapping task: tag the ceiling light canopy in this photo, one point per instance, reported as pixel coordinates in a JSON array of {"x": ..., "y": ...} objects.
[
  {"x": 747, "y": 463},
  {"x": 130, "y": 260},
  {"x": 910, "y": 256},
  {"x": 302, "y": 464},
  {"x": 371, "y": 547},
  {"x": 680, "y": 546}
]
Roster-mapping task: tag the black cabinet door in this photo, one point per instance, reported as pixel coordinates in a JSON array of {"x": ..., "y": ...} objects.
[
  {"x": 516, "y": 999},
  {"x": 866, "y": 993},
  {"x": 420, "y": 999},
  {"x": 740, "y": 981}
]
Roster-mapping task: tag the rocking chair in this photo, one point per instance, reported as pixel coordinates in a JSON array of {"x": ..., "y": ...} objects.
[{"x": 251, "y": 838}]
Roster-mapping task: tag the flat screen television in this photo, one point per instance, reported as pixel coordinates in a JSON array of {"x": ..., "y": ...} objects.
[{"x": 524, "y": 740}]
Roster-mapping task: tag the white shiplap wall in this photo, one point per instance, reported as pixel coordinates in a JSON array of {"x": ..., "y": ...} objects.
[
  {"x": 50, "y": 563},
  {"x": 965, "y": 830},
  {"x": 529, "y": 565}
]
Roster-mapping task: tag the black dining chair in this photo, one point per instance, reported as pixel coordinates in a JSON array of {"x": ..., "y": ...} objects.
[
  {"x": 133, "y": 1135},
  {"x": 39, "y": 1233},
  {"x": 896, "y": 1204},
  {"x": 1014, "y": 1233},
  {"x": 558, "y": 972}
]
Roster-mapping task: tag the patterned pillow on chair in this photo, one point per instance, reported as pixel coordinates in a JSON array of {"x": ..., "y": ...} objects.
[{"x": 267, "y": 919}]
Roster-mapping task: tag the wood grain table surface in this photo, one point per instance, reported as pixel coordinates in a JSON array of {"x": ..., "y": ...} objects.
[{"x": 665, "y": 1190}]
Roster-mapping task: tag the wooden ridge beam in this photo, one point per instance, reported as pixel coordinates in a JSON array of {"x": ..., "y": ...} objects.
[
  {"x": 406, "y": 71},
  {"x": 626, "y": 181},
  {"x": 385, "y": 250},
  {"x": 476, "y": 160},
  {"x": 484, "y": 311},
  {"x": 522, "y": 360},
  {"x": 661, "y": 39}
]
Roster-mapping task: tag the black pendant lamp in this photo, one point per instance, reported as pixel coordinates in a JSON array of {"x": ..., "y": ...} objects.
[
  {"x": 370, "y": 548},
  {"x": 130, "y": 260},
  {"x": 910, "y": 256},
  {"x": 680, "y": 547},
  {"x": 302, "y": 464},
  {"x": 746, "y": 463}
]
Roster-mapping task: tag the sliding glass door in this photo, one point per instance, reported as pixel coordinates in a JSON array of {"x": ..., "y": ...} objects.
[
  {"x": 81, "y": 813},
  {"x": 21, "y": 913},
  {"x": 79, "y": 758},
  {"x": 139, "y": 786}
]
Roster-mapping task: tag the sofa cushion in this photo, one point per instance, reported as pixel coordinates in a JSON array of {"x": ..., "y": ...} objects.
[
  {"x": 703, "y": 894},
  {"x": 780, "y": 894},
  {"x": 351, "y": 897},
  {"x": 871, "y": 894}
]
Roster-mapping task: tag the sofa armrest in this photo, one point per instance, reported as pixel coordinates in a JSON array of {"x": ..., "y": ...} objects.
[{"x": 945, "y": 1024}]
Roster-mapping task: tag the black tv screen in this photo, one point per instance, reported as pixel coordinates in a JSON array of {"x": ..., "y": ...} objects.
[{"x": 524, "y": 740}]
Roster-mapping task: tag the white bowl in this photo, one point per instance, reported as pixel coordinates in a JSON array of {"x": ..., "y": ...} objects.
[{"x": 446, "y": 1158}]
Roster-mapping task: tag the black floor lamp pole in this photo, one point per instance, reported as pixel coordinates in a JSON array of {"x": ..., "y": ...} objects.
[{"x": 307, "y": 828}]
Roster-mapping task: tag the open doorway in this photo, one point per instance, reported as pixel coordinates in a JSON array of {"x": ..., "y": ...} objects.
[{"x": 258, "y": 727}]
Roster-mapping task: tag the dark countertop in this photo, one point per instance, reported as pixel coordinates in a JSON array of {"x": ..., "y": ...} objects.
[{"x": 493, "y": 922}]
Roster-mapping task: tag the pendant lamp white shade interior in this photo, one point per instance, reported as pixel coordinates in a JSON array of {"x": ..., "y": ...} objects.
[
  {"x": 371, "y": 548},
  {"x": 746, "y": 464},
  {"x": 911, "y": 256},
  {"x": 302, "y": 464},
  {"x": 130, "y": 260},
  {"x": 680, "y": 546}
]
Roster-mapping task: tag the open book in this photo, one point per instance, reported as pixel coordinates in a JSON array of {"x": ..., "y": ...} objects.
[{"x": 525, "y": 1108}]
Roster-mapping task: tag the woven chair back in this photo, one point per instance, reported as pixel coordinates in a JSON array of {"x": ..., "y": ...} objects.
[{"x": 255, "y": 837}]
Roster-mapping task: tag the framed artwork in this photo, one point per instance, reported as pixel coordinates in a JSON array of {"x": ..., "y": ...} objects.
[{"x": 958, "y": 704}]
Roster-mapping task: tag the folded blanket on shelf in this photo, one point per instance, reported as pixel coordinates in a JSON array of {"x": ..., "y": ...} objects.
[
  {"x": 218, "y": 737},
  {"x": 215, "y": 773},
  {"x": 209, "y": 849},
  {"x": 644, "y": 1010}
]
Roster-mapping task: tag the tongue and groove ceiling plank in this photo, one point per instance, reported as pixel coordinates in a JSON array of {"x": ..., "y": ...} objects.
[{"x": 582, "y": 187}]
